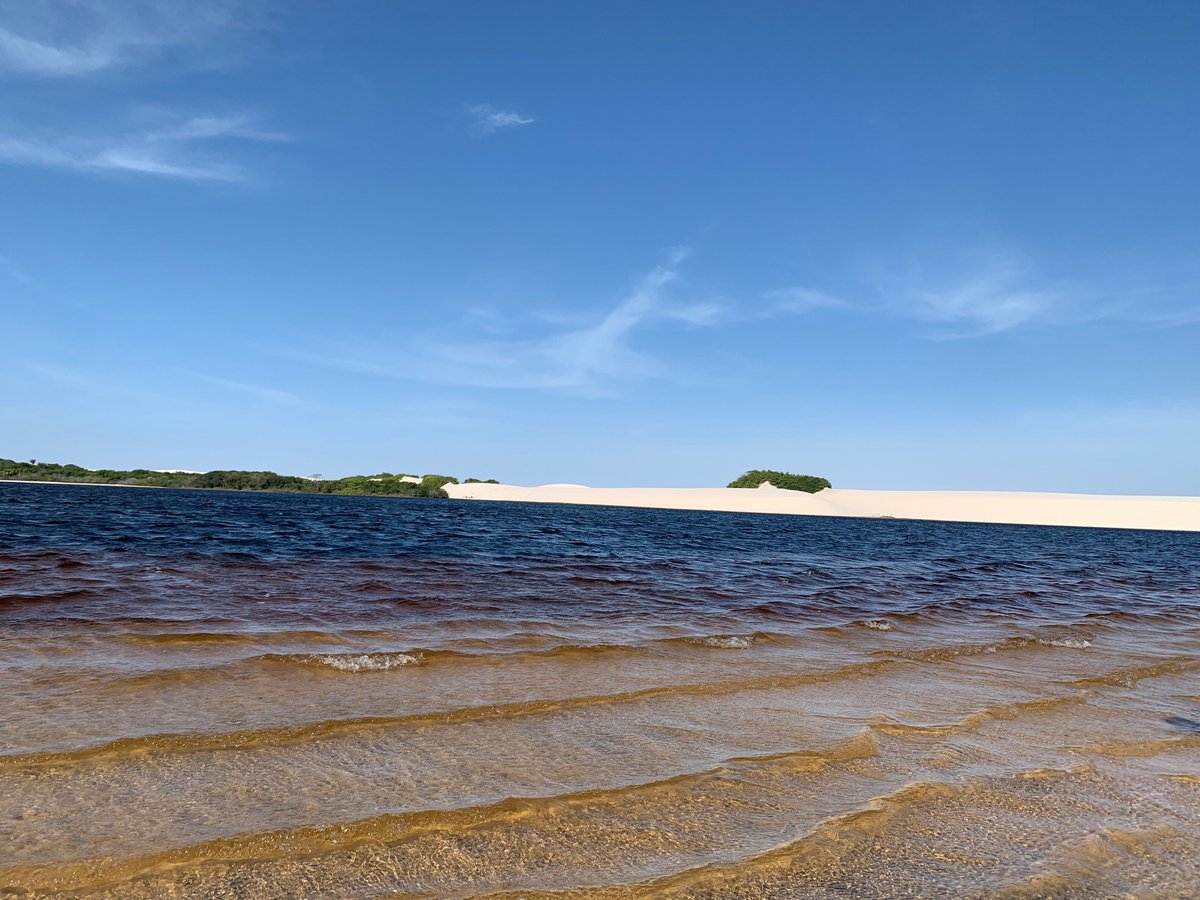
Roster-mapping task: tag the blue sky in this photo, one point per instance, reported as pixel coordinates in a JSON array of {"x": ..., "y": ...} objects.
[{"x": 938, "y": 245}]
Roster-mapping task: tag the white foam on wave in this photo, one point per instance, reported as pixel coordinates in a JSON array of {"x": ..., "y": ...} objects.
[
  {"x": 1075, "y": 643},
  {"x": 725, "y": 641},
  {"x": 1070, "y": 641},
  {"x": 877, "y": 624},
  {"x": 366, "y": 662}
]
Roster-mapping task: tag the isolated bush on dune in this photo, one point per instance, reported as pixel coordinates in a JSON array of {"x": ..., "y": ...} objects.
[{"x": 810, "y": 484}]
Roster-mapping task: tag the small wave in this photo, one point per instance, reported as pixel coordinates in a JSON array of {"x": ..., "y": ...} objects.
[
  {"x": 44, "y": 597},
  {"x": 1075, "y": 643},
  {"x": 1020, "y": 643},
  {"x": 1128, "y": 678},
  {"x": 974, "y": 721},
  {"x": 359, "y": 660},
  {"x": 724, "y": 641},
  {"x": 834, "y": 840},
  {"x": 955, "y": 651},
  {"x": 241, "y": 637},
  {"x": 875, "y": 624},
  {"x": 1144, "y": 749},
  {"x": 544, "y": 817},
  {"x": 365, "y": 662},
  {"x": 294, "y": 734}
]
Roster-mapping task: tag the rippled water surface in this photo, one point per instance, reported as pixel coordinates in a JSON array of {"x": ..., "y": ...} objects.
[{"x": 217, "y": 694}]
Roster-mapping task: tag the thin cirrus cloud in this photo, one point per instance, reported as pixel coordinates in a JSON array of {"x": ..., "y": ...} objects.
[
  {"x": 991, "y": 294},
  {"x": 65, "y": 39},
  {"x": 585, "y": 359},
  {"x": 995, "y": 299},
  {"x": 76, "y": 42},
  {"x": 487, "y": 119},
  {"x": 261, "y": 392},
  {"x": 187, "y": 148},
  {"x": 977, "y": 292},
  {"x": 25, "y": 55},
  {"x": 11, "y": 270},
  {"x": 796, "y": 300},
  {"x": 594, "y": 358}
]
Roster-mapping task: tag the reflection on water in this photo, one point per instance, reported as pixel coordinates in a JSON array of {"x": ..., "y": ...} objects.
[{"x": 209, "y": 694}]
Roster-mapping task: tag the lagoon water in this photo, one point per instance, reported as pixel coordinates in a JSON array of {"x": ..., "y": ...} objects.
[{"x": 216, "y": 694}]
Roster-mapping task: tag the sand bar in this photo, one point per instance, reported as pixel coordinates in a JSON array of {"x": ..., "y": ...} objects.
[{"x": 1009, "y": 507}]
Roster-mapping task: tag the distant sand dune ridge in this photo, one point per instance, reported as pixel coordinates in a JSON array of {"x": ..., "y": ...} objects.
[{"x": 1010, "y": 507}]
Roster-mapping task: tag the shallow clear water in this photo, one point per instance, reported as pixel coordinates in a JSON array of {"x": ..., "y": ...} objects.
[{"x": 217, "y": 694}]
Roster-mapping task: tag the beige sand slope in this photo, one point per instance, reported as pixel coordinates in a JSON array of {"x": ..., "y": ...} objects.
[{"x": 1092, "y": 510}]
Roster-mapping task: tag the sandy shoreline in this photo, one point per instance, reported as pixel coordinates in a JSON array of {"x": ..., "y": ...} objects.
[{"x": 1006, "y": 507}]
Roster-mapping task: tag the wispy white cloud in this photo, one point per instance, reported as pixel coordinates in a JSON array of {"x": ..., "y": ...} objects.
[
  {"x": 100, "y": 380},
  {"x": 583, "y": 359},
  {"x": 973, "y": 292},
  {"x": 1165, "y": 294},
  {"x": 983, "y": 293},
  {"x": 23, "y": 54},
  {"x": 487, "y": 119},
  {"x": 71, "y": 39},
  {"x": 998, "y": 296},
  {"x": 796, "y": 301},
  {"x": 185, "y": 148},
  {"x": 560, "y": 351},
  {"x": 74, "y": 38},
  {"x": 9, "y": 268},
  {"x": 1184, "y": 315},
  {"x": 262, "y": 392},
  {"x": 92, "y": 385}
]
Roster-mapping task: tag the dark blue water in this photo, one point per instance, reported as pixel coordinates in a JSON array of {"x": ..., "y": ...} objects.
[{"x": 599, "y": 560}]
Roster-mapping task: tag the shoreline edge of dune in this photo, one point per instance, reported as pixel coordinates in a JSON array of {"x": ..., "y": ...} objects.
[{"x": 995, "y": 507}]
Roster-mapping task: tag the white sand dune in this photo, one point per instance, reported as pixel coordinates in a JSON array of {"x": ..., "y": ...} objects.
[{"x": 1089, "y": 510}]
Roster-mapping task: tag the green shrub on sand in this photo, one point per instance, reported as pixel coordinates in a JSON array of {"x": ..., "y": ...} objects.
[{"x": 810, "y": 484}]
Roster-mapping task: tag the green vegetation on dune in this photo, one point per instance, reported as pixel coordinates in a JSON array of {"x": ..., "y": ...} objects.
[
  {"x": 384, "y": 484},
  {"x": 810, "y": 484}
]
